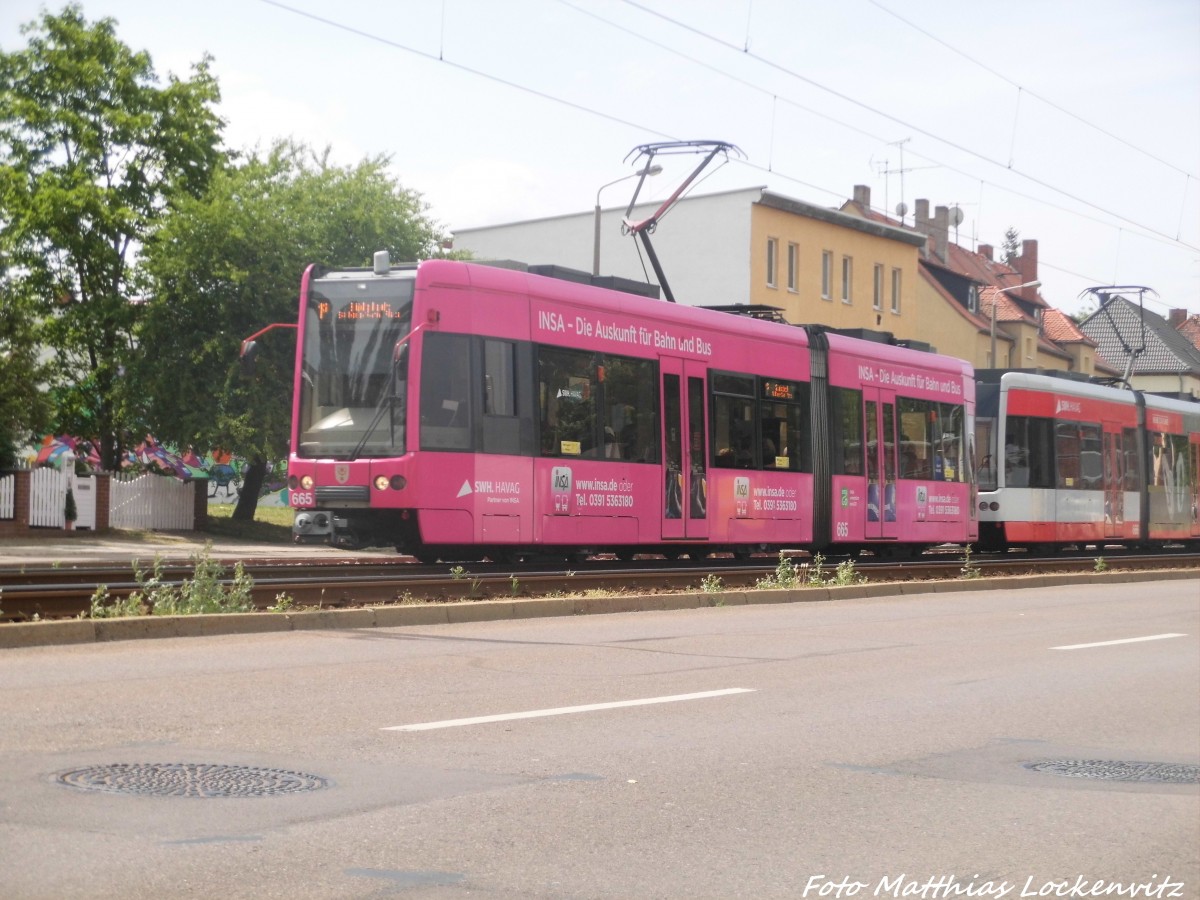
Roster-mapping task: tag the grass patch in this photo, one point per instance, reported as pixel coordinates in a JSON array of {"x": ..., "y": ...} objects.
[{"x": 272, "y": 524}]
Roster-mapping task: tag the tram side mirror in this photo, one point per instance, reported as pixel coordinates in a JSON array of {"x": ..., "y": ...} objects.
[{"x": 247, "y": 357}]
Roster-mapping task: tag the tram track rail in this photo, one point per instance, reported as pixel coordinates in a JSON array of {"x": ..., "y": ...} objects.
[{"x": 63, "y": 592}]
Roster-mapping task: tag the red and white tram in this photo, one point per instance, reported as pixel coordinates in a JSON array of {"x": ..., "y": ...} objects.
[{"x": 1066, "y": 461}]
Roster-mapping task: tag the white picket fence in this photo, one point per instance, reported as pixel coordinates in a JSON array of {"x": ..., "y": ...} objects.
[
  {"x": 152, "y": 503},
  {"x": 8, "y": 496},
  {"x": 48, "y": 497}
]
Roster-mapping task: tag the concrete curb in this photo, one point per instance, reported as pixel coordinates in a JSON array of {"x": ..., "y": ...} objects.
[{"x": 88, "y": 631}]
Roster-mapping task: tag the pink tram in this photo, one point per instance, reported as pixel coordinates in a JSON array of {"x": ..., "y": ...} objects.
[
  {"x": 1065, "y": 461},
  {"x": 459, "y": 411}
]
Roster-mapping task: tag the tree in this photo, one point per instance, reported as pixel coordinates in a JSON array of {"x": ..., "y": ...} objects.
[
  {"x": 92, "y": 153},
  {"x": 1012, "y": 246},
  {"x": 24, "y": 404},
  {"x": 225, "y": 265}
]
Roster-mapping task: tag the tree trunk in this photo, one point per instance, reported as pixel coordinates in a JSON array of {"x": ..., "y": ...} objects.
[{"x": 253, "y": 477}]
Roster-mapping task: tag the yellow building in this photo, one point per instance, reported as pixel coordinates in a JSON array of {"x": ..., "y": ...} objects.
[{"x": 825, "y": 266}]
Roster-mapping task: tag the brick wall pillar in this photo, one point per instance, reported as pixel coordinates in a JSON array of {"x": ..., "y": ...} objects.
[
  {"x": 18, "y": 525},
  {"x": 200, "y": 501},
  {"x": 103, "y": 501}
]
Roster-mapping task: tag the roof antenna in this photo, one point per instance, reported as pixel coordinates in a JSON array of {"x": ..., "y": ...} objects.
[{"x": 643, "y": 228}]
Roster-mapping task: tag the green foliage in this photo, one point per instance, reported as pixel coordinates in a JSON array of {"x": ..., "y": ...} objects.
[
  {"x": 204, "y": 592},
  {"x": 104, "y": 607},
  {"x": 712, "y": 584},
  {"x": 95, "y": 152},
  {"x": 845, "y": 574},
  {"x": 1101, "y": 564},
  {"x": 229, "y": 263},
  {"x": 787, "y": 574},
  {"x": 283, "y": 603},
  {"x": 816, "y": 571},
  {"x": 970, "y": 569},
  {"x": 25, "y": 408},
  {"x": 70, "y": 510}
]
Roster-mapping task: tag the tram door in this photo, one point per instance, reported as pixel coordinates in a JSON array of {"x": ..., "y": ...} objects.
[
  {"x": 879, "y": 413},
  {"x": 1114, "y": 480},
  {"x": 685, "y": 450},
  {"x": 1194, "y": 448}
]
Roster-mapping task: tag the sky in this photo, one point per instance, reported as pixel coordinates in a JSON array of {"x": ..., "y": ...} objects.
[{"x": 1075, "y": 122}]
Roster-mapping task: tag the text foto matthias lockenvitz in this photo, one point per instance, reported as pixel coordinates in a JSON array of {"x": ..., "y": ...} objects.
[{"x": 948, "y": 887}]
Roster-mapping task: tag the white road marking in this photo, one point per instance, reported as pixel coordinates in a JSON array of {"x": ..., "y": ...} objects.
[
  {"x": 564, "y": 710},
  {"x": 1153, "y": 637}
]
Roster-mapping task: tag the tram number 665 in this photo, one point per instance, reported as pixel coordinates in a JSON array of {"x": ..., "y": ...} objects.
[{"x": 842, "y": 529}]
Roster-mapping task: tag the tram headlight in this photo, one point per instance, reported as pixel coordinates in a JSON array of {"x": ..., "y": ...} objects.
[
  {"x": 306, "y": 482},
  {"x": 381, "y": 482},
  {"x": 994, "y": 506},
  {"x": 399, "y": 482}
]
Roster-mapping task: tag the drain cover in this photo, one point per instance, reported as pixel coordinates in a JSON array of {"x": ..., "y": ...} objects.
[
  {"x": 190, "y": 780},
  {"x": 1109, "y": 770}
]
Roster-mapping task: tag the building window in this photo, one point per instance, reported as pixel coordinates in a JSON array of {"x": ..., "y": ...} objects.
[
  {"x": 826, "y": 274},
  {"x": 793, "y": 265},
  {"x": 772, "y": 261},
  {"x": 847, "y": 277},
  {"x": 896, "y": 291},
  {"x": 877, "y": 300},
  {"x": 973, "y": 298}
]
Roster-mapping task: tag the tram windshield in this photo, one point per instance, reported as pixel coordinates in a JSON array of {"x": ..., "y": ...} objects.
[{"x": 352, "y": 378}]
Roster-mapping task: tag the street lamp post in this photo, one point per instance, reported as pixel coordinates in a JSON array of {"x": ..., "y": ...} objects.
[
  {"x": 1000, "y": 290},
  {"x": 652, "y": 170}
]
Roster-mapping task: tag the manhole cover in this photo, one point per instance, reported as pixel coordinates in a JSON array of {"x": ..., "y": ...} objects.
[
  {"x": 1110, "y": 770},
  {"x": 190, "y": 780}
]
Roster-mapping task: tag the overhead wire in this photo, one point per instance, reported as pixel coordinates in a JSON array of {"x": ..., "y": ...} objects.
[
  {"x": 440, "y": 58},
  {"x": 899, "y": 121},
  {"x": 770, "y": 169},
  {"x": 1020, "y": 87}
]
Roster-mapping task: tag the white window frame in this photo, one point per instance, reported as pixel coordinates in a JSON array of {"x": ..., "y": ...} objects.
[
  {"x": 772, "y": 262},
  {"x": 896, "y": 274},
  {"x": 793, "y": 266},
  {"x": 847, "y": 279},
  {"x": 877, "y": 303},
  {"x": 826, "y": 274}
]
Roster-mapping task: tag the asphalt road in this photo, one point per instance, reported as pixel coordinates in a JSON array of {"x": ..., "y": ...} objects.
[{"x": 869, "y": 748}]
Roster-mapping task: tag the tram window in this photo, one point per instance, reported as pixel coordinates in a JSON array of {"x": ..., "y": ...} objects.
[
  {"x": 732, "y": 420},
  {"x": 846, "y": 419},
  {"x": 499, "y": 383},
  {"x": 985, "y": 437},
  {"x": 1066, "y": 448},
  {"x": 949, "y": 456},
  {"x": 500, "y": 427},
  {"x": 630, "y": 398},
  {"x": 1091, "y": 443},
  {"x": 566, "y": 391},
  {"x": 917, "y": 438},
  {"x": 446, "y": 395},
  {"x": 597, "y": 407},
  {"x": 1029, "y": 452},
  {"x": 782, "y": 412},
  {"x": 1133, "y": 469}
]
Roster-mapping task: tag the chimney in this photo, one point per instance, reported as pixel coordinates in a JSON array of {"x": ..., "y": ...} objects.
[
  {"x": 1027, "y": 264},
  {"x": 941, "y": 232},
  {"x": 986, "y": 251},
  {"x": 862, "y": 197},
  {"x": 1177, "y": 317},
  {"x": 921, "y": 217}
]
